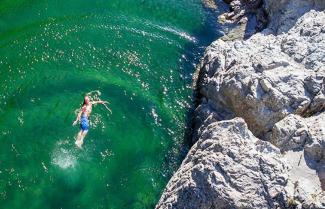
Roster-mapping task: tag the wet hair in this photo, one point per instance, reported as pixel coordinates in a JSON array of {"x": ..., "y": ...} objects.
[{"x": 84, "y": 103}]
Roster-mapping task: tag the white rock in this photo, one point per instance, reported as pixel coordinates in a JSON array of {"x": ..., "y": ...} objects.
[
  {"x": 262, "y": 79},
  {"x": 228, "y": 168},
  {"x": 295, "y": 132},
  {"x": 275, "y": 82}
]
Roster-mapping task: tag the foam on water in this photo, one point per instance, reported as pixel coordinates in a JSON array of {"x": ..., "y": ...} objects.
[
  {"x": 63, "y": 157},
  {"x": 177, "y": 32}
]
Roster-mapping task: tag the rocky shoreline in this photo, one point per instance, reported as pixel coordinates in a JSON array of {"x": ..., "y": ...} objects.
[{"x": 259, "y": 125}]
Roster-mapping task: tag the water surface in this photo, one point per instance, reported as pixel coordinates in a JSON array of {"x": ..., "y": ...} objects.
[{"x": 138, "y": 55}]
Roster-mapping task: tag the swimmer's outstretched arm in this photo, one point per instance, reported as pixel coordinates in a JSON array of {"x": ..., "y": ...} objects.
[
  {"x": 77, "y": 119},
  {"x": 103, "y": 103},
  {"x": 99, "y": 102}
]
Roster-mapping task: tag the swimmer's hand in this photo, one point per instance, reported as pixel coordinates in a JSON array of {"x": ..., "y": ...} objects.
[{"x": 77, "y": 119}]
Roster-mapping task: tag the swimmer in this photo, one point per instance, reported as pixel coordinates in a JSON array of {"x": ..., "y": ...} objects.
[{"x": 83, "y": 118}]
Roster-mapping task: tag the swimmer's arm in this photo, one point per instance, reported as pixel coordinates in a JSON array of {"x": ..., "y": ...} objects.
[
  {"x": 77, "y": 119},
  {"x": 103, "y": 103},
  {"x": 99, "y": 102}
]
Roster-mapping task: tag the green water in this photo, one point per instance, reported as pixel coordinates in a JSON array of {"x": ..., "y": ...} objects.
[{"x": 139, "y": 54}]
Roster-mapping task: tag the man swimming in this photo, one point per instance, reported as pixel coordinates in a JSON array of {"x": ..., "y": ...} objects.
[{"x": 83, "y": 118}]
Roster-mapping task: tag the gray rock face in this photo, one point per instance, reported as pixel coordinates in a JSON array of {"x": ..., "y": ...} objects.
[
  {"x": 259, "y": 125},
  {"x": 228, "y": 168},
  {"x": 297, "y": 133},
  {"x": 315, "y": 146},
  {"x": 240, "y": 8},
  {"x": 267, "y": 77},
  {"x": 283, "y": 14},
  {"x": 291, "y": 133},
  {"x": 302, "y": 140},
  {"x": 306, "y": 181},
  {"x": 248, "y": 13}
]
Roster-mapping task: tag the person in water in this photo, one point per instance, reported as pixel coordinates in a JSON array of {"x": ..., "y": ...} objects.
[{"x": 83, "y": 118}]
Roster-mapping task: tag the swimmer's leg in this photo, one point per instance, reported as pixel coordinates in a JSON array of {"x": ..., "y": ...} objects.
[
  {"x": 78, "y": 141},
  {"x": 80, "y": 138},
  {"x": 84, "y": 133},
  {"x": 79, "y": 135}
]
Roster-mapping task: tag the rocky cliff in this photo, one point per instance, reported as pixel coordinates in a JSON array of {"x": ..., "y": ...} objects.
[{"x": 259, "y": 126}]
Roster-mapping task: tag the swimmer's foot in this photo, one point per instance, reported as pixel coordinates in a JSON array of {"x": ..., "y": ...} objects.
[{"x": 79, "y": 143}]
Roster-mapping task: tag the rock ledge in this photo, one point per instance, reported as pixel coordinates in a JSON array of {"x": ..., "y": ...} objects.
[{"x": 259, "y": 127}]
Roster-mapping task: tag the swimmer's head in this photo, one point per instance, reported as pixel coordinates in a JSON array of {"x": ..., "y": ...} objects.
[{"x": 86, "y": 100}]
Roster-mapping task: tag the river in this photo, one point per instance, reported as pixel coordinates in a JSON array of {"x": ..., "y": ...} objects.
[{"x": 137, "y": 54}]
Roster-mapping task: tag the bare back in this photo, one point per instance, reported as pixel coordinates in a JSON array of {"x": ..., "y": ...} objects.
[{"x": 86, "y": 109}]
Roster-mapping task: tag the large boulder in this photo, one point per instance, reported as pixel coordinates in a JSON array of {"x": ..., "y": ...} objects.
[
  {"x": 297, "y": 133},
  {"x": 302, "y": 142},
  {"x": 267, "y": 77},
  {"x": 283, "y": 14},
  {"x": 228, "y": 168},
  {"x": 275, "y": 81}
]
